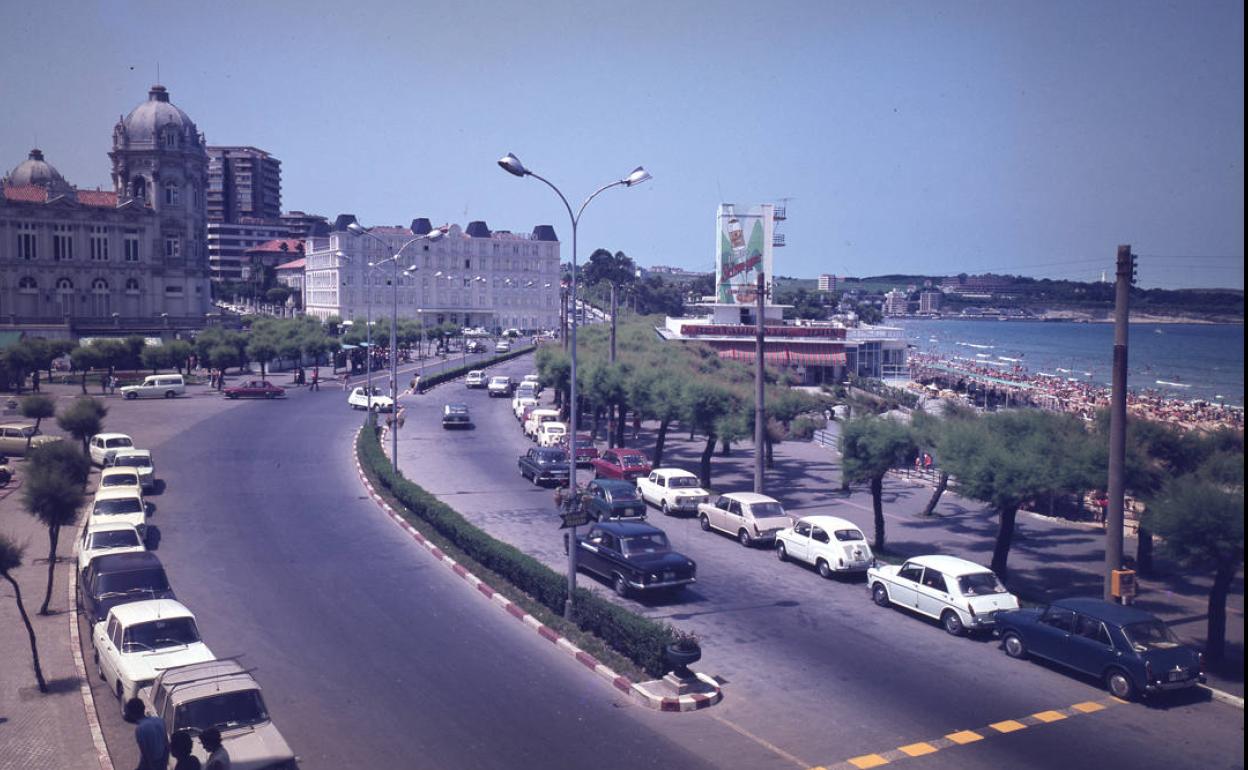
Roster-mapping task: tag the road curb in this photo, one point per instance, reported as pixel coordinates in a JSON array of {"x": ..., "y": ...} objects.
[
  {"x": 80, "y": 668},
  {"x": 1221, "y": 696},
  {"x": 622, "y": 683}
]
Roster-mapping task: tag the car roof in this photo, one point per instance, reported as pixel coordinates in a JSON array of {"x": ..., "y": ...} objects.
[
  {"x": 949, "y": 565},
  {"x": 475, "y": 371},
  {"x": 1119, "y": 614},
  {"x": 16, "y": 425},
  {"x": 197, "y": 680},
  {"x": 673, "y": 473},
  {"x": 114, "y": 493},
  {"x": 544, "y": 411},
  {"x": 750, "y": 498},
  {"x": 126, "y": 562},
  {"x": 625, "y": 451},
  {"x": 457, "y": 407},
  {"x": 148, "y": 610},
  {"x": 116, "y": 471},
  {"x": 131, "y": 452},
  {"x": 103, "y": 525},
  {"x": 613, "y": 484},
  {"x": 829, "y": 522},
  {"x": 110, "y": 435},
  {"x": 625, "y": 528}
]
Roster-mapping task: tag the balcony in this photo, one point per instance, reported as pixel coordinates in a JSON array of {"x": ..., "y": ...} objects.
[
  {"x": 777, "y": 239},
  {"x": 778, "y": 214}
]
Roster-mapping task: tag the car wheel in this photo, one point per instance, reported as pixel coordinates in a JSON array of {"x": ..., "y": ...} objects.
[
  {"x": 664, "y": 508},
  {"x": 825, "y": 571},
  {"x": 621, "y": 588},
  {"x": 704, "y": 522},
  {"x": 743, "y": 538},
  {"x": 1013, "y": 644},
  {"x": 170, "y": 394},
  {"x": 99, "y": 670},
  {"x": 131, "y": 396},
  {"x": 781, "y": 553},
  {"x": 879, "y": 594},
  {"x": 117, "y": 691},
  {"x": 1119, "y": 684},
  {"x": 270, "y": 395},
  {"x": 952, "y": 623},
  {"x": 235, "y": 395}
]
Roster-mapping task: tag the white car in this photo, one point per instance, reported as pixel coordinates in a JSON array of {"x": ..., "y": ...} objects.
[
  {"x": 551, "y": 433},
  {"x": 521, "y": 401},
  {"x": 672, "y": 490},
  {"x": 475, "y": 379},
  {"x": 536, "y": 418},
  {"x": 360, "y": 399},
  {"x": 750, "y": 518},
  {"x": 829, "y": 543},
  {"x": 122, "y": 506},
  {"x": 502, "y": 346},
  {"x": 961, "y": 594},
  {"x": 114, "y": 478},
  {"x": 103, "y": 446},
  {"x": 107, "y": 537},
  {"x": 499, "y": 386},
  {"x": 140, "y": 639},
  {"x": 138, "y": 460},
  {"x": 534, "y": 378},
  {"x": 156, "y": 386}
]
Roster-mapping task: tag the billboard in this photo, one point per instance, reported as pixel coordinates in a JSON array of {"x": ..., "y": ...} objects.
[{"x": 743, "y": 238}]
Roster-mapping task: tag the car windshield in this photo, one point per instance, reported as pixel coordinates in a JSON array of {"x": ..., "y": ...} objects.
[
  {"x": 121, "y": 505},
  {"x": 157, "y": 634},
  {"x": 133, "y": 462},
  {"x": 127, "y": 582},
  {"x": 765, "y": 510},
  {"x": 119, "y": 480},
  {"x": 979, "y": 584},
  {"x": 117, "y": 443},
  {"x": 632, "y": 461},
  {"x": 683, "y": 482},
  {"x": 500, "y": 381},
  {"x": 556, "y": 429},
  {"x": 847, "y": 535},
  {"x": 115, "y": 538},
  {"x": 655, "y": 542},
  {"x": 557, "y": 456},
  {"x": 1150, "y": 635},
  {"x": 623, "y": 495},
  {"x": 223, "y": 711}
]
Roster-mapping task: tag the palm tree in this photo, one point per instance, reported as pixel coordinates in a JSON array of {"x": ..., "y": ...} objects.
[
  {"x": 11, "y": 559},
  {"x": 52, "y": 492}
]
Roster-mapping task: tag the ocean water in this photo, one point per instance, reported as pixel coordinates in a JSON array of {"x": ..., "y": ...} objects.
[{"x": 1199, "y": 361}]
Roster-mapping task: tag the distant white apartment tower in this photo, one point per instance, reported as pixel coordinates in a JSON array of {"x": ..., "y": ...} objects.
[
  {"x": 827, "y": 282},
  {"x": 895, "y": 303},
  {"x": 471, "y": 277},
  {"x": 929, "y": 302}
]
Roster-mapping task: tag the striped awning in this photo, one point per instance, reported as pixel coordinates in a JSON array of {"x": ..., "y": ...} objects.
[{"x": 783, "y": 353}]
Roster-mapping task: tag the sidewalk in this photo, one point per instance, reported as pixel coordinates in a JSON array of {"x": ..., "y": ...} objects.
[{"x": 38, "y": 730}]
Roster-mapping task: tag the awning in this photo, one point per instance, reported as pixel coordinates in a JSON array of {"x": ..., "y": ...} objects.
[{"x": 783, "y": 353}]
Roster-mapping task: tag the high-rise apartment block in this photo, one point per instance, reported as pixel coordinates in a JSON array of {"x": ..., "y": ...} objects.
[
  {"x": 827, "y": 282},
  {"x": 243, "y": 182}
]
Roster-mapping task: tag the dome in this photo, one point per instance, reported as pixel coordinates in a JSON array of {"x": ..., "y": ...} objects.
[
  {"x": 144, "y": 122},
  {"x": 37, "y": 171}
]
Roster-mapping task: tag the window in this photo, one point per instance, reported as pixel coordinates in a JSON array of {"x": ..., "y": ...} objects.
[
  {"x": 99, "y": 285},
  {"x": 26, "y": 242},
  {"x": 802, "y": 528},
  {"x": 911, "y": 572},
  {"x": 173, "y": 247},
  {"x": 173, "y": 291},
  {"x": 132, "y": 285},
  {"x": 818, "y": 535},
  {"x": 171, "y": 193},
  {"x": 62, "y": 243},
  {"x": 1059, "y": 618},
  {"x": 1091, "y": 628},
  {"x": 131, "y": 245},
  {"x": 64, "y": 284},
  {"x": 935, "y": 581},
  {"x": 27, "y": 285}
]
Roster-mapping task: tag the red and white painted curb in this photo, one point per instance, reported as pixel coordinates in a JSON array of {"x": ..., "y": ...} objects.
[
  {"x": 622, "y": 683},
  {"x": 84, "y": 686}
]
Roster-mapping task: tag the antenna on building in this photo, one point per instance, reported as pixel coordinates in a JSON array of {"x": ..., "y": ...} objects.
[{"x": 158, "y": 73}]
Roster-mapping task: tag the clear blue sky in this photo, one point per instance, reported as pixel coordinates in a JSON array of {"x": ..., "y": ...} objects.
[{"x": 923, "y": 137}]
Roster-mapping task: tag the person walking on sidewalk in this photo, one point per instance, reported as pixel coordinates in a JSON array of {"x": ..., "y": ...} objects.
[{"x": 149, "y": 734}]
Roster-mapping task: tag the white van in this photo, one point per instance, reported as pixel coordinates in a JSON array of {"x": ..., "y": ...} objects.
[{"x": 156, "y": 386}]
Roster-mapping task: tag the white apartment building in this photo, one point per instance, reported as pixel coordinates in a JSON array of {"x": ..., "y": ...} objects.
[
  {"x": 827, "y": 282},
  {"x": 470, "y": 277},
  {"x": 895, "y": 303}
]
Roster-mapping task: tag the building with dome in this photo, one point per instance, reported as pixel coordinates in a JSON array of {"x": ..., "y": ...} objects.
[{"x": 133, "y": 259}]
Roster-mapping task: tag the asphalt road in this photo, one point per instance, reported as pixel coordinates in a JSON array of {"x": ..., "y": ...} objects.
[{"x": 816, "y": 673}]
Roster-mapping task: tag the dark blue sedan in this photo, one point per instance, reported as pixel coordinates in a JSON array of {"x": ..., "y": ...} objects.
[
  {"x": 1128, "y": 649},
  {"x": 634, "y": 557}
]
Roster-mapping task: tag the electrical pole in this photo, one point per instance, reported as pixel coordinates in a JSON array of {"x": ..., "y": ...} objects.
[
  {"x": 613, "y": 312},
  {"x": 1118, "y": 420},
  {"x": 760, "y": 417}
]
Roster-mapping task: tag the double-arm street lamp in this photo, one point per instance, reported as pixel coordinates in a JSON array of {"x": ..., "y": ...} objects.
[
  {"x": 433, "y": 235},
  {"x": 512, "y": 165}
]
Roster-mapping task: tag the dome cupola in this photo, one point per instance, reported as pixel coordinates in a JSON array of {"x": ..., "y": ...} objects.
[{"x": 37, "y": 171}]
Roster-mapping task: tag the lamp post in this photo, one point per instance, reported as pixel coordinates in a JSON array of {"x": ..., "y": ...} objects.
[
  {"x": 431, "y": 236},
  {"x": 512, "y": 165}
]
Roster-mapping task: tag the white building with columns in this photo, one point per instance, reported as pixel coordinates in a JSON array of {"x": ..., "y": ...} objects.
[{"x": 470, "y": 277}]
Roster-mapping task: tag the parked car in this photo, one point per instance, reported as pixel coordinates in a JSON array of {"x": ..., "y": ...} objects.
[
  {"x": 502, "y": 346},
  {"x": 613, "y": 499},
  {"x": 551, "y": 433},
  {"x": 672, "y": 490},
  {"x": 105, "y": 537},
  {"x": 103, "y": 446},
  {"x": 121, "y": 578},
  {"x": 633, "y": 556},
  {"x": 829, "y": 543},
  {"x": 961, "y": 594},
  {"x": 520, "y": 401},
  {"x": 535, "y": 379},
  {"x": 749, "y": 517},
  {"x": 13, "y": 438},
  {"x": 360, "y": 399},
  {"x": 475, "y": 379},
  {"x": 1130, "y": 650},
  {"x": 500, "y": 386},
  {"x": 221, "y": 694},
  {"x": 136, "y": 641},
  {"x": 139, "y": 460},
  {"x": 627, "y": 464},
  {"x": 527, "y": 390},
  {"x": 535, "y": 419},
  {"x": 456, "y": 416},
  {"x": 156, "y": 386},
  {"x": 255, "y": 389},
  {"x": 526, "y": 411},
  {"x": 586, "y": 450},
  {"x": 474, "y": 346},
  {"x": 119, "y": 506},
  {"x": 114, "y": 478},
  {"x": 545, "y": 464}
]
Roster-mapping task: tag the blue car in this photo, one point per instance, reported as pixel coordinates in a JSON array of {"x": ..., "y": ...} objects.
[{"x": 1128, "y": 649}]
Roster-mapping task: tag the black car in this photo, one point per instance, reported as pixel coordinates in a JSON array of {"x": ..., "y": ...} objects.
[
  {"x": 634, "y": 556},
  {"x": 456, "y": 416},
  {"x": 545, "y": 464},
  {"x": 613, "y": 499},
  {"x": 1128, "y": 649},
  {"x": 121, "y": 578}
]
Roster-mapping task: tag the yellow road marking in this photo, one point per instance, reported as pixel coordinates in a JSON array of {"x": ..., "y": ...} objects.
[
  {"x": 963, "y": 737},
  {"x": 1088, "y": 707},
  {"x": 917, "y": 749},
  {"x": 867, "y": 761},
  {"x": 1049, "y": 716},
  {"x": 1008, "y": 726}
]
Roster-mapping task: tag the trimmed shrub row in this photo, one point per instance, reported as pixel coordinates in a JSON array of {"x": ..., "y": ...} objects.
[
  {"x": 639, "y": 639},
  {"x": 447, "y": 375}
]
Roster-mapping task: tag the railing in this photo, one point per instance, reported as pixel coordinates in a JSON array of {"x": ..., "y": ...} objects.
[
  {"x": 769, "y": 330},
  {"x": 875, "y": 333},
  {"x": 825, "y": 438}
]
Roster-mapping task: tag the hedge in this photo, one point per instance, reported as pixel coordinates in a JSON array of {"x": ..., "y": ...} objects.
[
  {"x": 639, "y": 639},
  {"x": 446, "y": 375}
]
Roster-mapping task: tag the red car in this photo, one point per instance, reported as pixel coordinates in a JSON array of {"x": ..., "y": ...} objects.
[
  {"x": 586, "y": 452},
  {"x": 255, "y": 389},
  {"x": 626, "y": 464}
]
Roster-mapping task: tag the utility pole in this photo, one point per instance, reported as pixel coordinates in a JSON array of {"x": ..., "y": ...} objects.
[
  {"x": 1118, "y": 420},
  {"x": 563, "y": 317},
  {"x": 760, "y": 417},
  {"x": 614, "y": 309}
]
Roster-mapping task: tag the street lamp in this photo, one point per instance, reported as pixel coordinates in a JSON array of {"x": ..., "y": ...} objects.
[
  {"x": 512, "y": 165},
  {"x": 431, "y": 236}
]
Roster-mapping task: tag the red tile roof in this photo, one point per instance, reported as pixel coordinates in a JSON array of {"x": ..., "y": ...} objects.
[
  {"x": 278, "y": 246},
  {"x": 98, "y": 198},
  {"x": 296, "y": 264},
  {"x": 26, "y": 193}
]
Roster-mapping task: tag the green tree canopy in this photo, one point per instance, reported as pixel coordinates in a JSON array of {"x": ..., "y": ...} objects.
[{"x": 870, "y": 447}]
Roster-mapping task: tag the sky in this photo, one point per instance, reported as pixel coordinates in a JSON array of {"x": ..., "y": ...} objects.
[{"x": 904, "y": 137}]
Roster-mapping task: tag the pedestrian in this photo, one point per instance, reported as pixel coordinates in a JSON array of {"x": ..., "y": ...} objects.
[
  {"x": 218, "y": 757},
  {"x": 180, "y": 746},
  {"x": 316, "y": 380},
  {"x": 112, "y": 385},
  {"x": 401, "y": 417},
  {"x": 416, "y": 384},
  {"x": 149, "y": 734}
]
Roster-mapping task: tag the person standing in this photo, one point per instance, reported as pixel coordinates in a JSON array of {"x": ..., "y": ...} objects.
[
  {"x": 218, "y": 757},
  {"x": 149, "y": 734},
  {"x": 316, "y": 380},
  {"x": 180, "y": 746}
]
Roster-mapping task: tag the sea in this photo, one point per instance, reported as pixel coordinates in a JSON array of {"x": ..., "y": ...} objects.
[{"x": 1187, "y": 361}]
